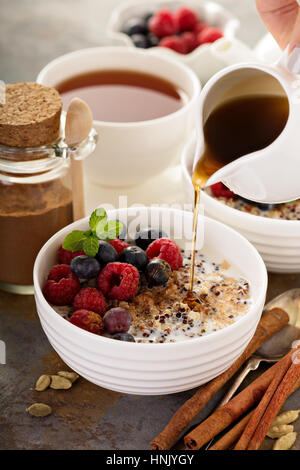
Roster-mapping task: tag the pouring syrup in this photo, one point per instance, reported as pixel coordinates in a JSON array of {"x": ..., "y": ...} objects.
[{"x": 237, "y": 127}]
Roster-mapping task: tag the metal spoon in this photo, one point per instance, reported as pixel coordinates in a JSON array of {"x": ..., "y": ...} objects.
[{"x": 277, "y": 346}]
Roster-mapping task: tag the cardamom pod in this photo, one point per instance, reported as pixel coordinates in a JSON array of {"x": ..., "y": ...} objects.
[
  {"x": 39, "y": 409},
  {"x": 285, "y": 442},
  {"x": 60, "y": 383},
  {"x": 286, "y": 417},
  {"x": 280, "y": 430},
  {"x": 72, "y": 376},
  {"x": 42, "y": 383}
]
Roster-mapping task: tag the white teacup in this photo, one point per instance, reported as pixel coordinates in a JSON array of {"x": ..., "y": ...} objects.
[{"x": 128, "y": 154}]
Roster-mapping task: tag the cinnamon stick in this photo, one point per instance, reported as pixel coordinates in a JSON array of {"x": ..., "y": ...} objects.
[
  {"x": 229, "y": 413},
  {"x": 230, "y": 438},
  {"x": 285, "y": 388},
  {"x": 249, "y": 430},
  {"x": 270, "y": 323}
]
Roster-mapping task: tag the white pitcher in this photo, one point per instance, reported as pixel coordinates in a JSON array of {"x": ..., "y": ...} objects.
[{"x": 272, "y": 174}]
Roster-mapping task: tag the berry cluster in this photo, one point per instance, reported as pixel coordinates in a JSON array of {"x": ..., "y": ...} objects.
[
  {"x": 181, "y": 30},
  {"x": 220, "y": 190},
  {"x": 115, "y": 271}
]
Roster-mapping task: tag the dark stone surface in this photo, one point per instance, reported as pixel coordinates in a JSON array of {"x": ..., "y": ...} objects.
[{"x": 86, "y": 417}]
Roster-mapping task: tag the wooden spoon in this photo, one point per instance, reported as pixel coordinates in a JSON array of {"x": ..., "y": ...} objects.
[{"x": 79, "y": 122}]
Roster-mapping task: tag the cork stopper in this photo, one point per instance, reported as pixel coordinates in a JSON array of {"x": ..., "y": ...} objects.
[{"x": 30, "y": 116}]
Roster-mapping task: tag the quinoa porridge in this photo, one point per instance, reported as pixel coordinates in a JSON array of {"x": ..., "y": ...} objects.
[
  {"x": 140, "y": 291},
  {"x": 163, "y": 315},
  {"x": 167, "y": 314},
  {"x": 286, "y": 211}
]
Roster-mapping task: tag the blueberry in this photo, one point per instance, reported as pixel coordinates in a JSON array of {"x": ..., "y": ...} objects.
[
  {"x": 134, "y": 255},
  {"x": 106, "y": 253},
  {"x": 153, "y": 41},
  {"x": 135, "y": 26},
  {"x": 117, "y": 320},
  {"x": 140, "y": 40},
  {"x": 85, "y": 267},
  {"x": 157, "y": 272},
  {"x": 266, "y": 207},
  {"x": 145, "y": 236},
  {"x": 124, "y": 337},
  {"x": 148, "y": 17},
  {"x": 262, "y": 206}
]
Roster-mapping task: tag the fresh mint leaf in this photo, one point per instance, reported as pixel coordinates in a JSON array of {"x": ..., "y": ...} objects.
[
  {"x": 110, "y": 230},
  {"x": 88, "y": 240},
  {"x": 114, "y": 228},
  {"x": 88, "y": 233},
  {"x": 91, "y": 246},
  {"x": 100, "y": 228},
  {"x": 74, "y": 241},
  {"x": 96, "y": 217}
]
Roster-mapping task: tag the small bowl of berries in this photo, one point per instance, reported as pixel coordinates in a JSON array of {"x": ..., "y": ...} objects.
[
  {"x": 112, "y": 294},
  {"x": 191, "y": 31}
]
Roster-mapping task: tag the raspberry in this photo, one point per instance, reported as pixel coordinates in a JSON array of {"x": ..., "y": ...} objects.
[
  {"x": 119, "y": 281},
  {"x": 119, "y": 245},
  {"x": 190, "y": 41},
  {"x": 66, "y": 256},
  {"x": 185, "y": 18},
  {"x": 61, "y": 286},
  {"x": 89, "y": 321},
  {"x": 162, "y": 23},
  {"x": 91, "y": 299},
  {"x": 200, "y": 26},
  {"x": 175, "y": 43},
  {"x": 209, "y": 34},
  {"x": 220, "y": 190},
  {"x": 58, "y": 272},
  {"x": 167, "y": 250}
]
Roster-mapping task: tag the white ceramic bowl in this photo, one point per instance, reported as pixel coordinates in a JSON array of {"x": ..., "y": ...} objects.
[
  {"x": 155, "y": 369},
  {"x": 278, "y": 241},
  {"x": 129, "y": 153},
  {"x": 206, "y": 59}
]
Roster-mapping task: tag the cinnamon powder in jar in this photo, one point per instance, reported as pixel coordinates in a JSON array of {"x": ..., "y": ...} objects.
[
  {"x": 37, "y": 203},
  {"x": 29, "y": 215}
]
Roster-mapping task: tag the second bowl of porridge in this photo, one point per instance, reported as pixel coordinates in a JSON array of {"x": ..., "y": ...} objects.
[
  {"x": 274, "y": 230},
  {"x": 174, "y": 341}
]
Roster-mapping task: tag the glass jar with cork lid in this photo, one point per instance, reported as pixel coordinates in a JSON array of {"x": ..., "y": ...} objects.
[{"x": 36, "y": 194}]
